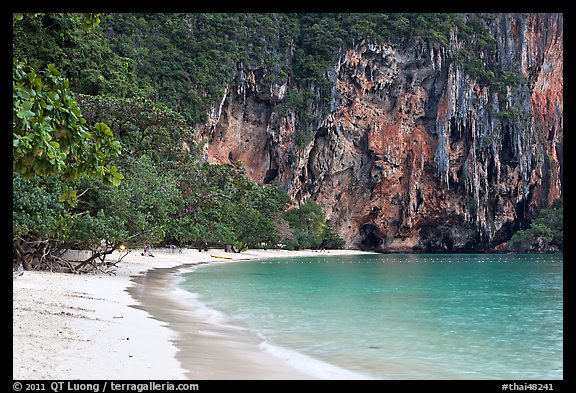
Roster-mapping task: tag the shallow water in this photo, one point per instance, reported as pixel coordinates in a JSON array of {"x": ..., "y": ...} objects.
[{"x": 458, "y": 316}]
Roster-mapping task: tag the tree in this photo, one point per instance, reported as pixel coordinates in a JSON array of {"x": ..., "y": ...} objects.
[
  {"x": 307, "y": 223},
  {"x": 50, "y": 138},
  {"x": 545, "y": 233},
  {"x": 331, "y": 240},
  {"x": 49, "y": 132},
  {"x": 80, "y": 50},
  {"x": 221, "y": 205},
  {"x": 140, "y": 206},
  {"x": 38, "y": 211},
  {"x": 310, "y": 228},
  {"x": 144, "y": 127}
]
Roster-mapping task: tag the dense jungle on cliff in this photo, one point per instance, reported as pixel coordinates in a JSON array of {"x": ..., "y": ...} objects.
[{"x": 389, "y": 132}]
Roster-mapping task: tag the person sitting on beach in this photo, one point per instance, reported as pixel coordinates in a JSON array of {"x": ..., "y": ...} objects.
[{"x": 147, "y": 250}]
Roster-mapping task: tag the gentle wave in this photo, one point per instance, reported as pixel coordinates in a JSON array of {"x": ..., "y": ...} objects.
[
  {"x": 311, "y": 366},
  {"x": 207, "y": 314}
]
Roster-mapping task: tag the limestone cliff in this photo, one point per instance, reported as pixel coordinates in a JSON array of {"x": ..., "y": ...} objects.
[{"x": 413, "y": 153}]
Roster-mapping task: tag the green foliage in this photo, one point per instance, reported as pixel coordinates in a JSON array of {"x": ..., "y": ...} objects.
[
  {"x": 330, "y": 239},
  {"x": 184, "y": 61},
  {"x": 144, "y": 127},
  {"x": 49, "y": 132},
  {"x": 310, "y": 229},
  {"x": 478, "y": 55},
  {"x": 307, "y": 222},
  {"x": 508, "y": 78},
  {"x": 546, "y": 229},
  {"x": 507, "y": 116},
  {"x": 87, "y": 230},
  {"x": 51, "y": 148},
  {"x": 488, "y": 139},
  {"x": 220, "y": 205},
  {"x": 88, "y": 21},
  {"x": 187, "y": 59},
  {"x": 141, "y": 205},
  {"x": 127, "y": 85},
  {"x": 39, "y": 212},
  {"x": 294, "y": 101},
  {"x": 36, "y": 206},
  {"x": 138, "y": 209},
  {"x": 77, "y": 46}
]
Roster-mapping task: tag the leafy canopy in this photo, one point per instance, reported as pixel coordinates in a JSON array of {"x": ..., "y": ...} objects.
[
  {"x": 49, "y": 133},
  {"x": 310, "y": 228}
]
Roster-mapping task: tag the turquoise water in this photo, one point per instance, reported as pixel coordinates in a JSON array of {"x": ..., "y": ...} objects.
[{"x": 478, "y": 316}]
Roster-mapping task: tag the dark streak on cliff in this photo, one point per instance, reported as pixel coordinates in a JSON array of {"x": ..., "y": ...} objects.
[{"x": 415, "y": 154}]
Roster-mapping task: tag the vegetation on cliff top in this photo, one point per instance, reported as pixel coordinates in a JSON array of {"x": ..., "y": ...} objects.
[{"x": 185, "y": 60}]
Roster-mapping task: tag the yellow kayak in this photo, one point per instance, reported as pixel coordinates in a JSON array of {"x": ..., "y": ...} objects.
[{"x": 219, "y": 256}]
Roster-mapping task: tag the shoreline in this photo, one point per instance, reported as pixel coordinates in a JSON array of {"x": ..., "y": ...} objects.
[{"x": 88, "y": 326}]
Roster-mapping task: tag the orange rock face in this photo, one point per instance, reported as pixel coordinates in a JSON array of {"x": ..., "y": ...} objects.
[
  {"x": 544, "y": 67},
  {"x": 414, "y": 155}
]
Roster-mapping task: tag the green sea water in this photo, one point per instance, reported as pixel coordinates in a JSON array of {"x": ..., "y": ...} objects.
[{"x": 457, "y": 316}]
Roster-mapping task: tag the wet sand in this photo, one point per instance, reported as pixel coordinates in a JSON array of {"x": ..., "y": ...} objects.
[
  {"x": 133, "y": 325},
  {"x": 206, "y": 350}
]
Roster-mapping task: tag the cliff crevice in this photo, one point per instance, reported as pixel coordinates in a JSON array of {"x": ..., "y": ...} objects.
[{"x": 414, "y": 152}]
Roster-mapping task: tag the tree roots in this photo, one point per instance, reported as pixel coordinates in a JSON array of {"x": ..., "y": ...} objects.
[{"x": 47, "y": 255}]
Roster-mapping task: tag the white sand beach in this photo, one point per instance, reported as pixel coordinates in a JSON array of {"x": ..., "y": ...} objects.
[{"x": 89, "y": 326}]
